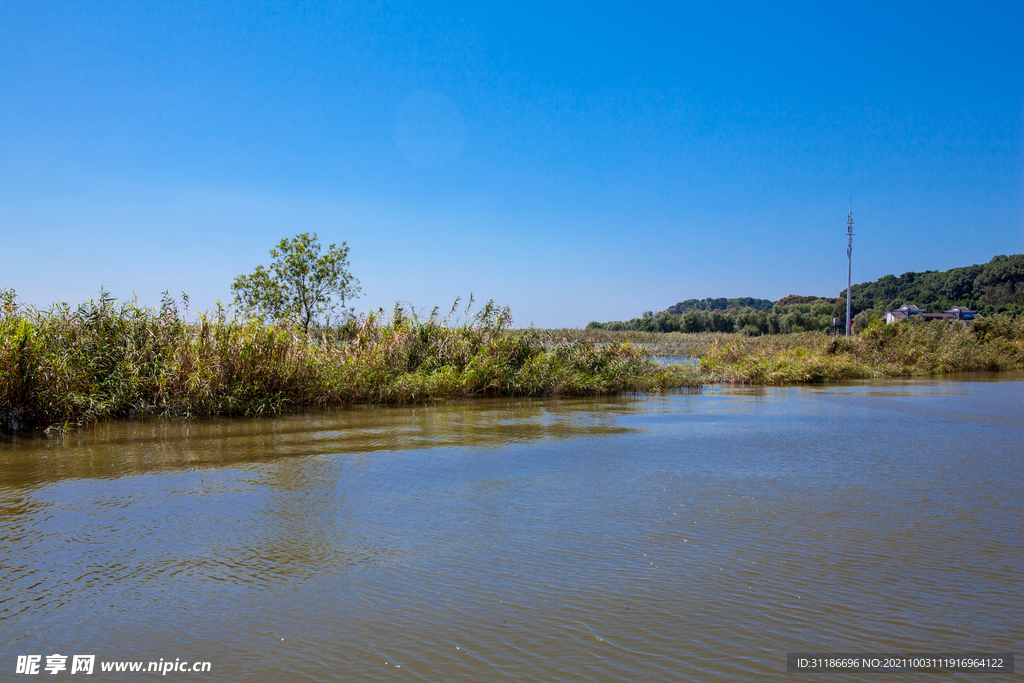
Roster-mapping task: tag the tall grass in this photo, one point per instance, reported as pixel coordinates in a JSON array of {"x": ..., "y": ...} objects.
[
  {"x": 902, "y": 350},
  {"x": 693, "y": 344},
  {"x": 106, "y": 359}
]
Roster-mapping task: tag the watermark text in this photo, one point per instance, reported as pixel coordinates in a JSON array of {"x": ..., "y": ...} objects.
[{"x": 86, "y": 664}]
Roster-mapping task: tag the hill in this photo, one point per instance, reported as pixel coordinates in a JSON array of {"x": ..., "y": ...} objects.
[
  {"x": 993, "y": 287},
  {"x": 720, "y": 305}
]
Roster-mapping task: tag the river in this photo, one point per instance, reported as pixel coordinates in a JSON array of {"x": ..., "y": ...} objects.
[{"x": 689, "y": 536}]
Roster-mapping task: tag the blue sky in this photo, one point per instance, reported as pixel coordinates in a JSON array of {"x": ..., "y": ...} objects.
[{"x": 576, "y": 162}]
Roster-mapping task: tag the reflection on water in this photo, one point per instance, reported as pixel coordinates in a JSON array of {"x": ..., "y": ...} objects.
[
  {"x": 119, "y": 448},
  {"x": 690, "y": 536}
]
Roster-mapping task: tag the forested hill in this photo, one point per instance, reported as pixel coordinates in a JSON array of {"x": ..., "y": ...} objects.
[
  {"x": 720, "y": 304},
  {"x": 993, "y": 287}
]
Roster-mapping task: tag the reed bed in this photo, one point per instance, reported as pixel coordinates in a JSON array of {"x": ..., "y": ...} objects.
[
  {"x": 905, "y": 350},
  {"x": 902, "y": 350},
  {"x": 104, "y": 359},
  {"x": 694, "y": 344},
  {"x": 690, "y": 344}
]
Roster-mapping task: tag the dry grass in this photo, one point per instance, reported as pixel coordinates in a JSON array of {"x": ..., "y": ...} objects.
[
  {"x": 694, "y": 345},
  {"x": 111, "y": 360},
  {"x": 655, "y": 343},
  {"x": 903, "y": 350}
]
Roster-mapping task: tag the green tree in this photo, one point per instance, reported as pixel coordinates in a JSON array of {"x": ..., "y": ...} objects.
[{"x": 300, "y": 284}]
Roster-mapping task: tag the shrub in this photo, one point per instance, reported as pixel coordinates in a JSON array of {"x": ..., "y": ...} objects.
[{"x": 118, "y": 360}]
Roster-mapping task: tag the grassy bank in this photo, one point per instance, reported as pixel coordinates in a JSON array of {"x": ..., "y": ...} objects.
[
  {"x": 106, "y": 359},
  {"x": 910, "y": 349},
  {"x": 694, "y": 344},
  {"x": 904, "y": 350}
]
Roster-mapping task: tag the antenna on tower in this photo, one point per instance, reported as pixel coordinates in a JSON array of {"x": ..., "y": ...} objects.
[{"x": 849, "y": 264}]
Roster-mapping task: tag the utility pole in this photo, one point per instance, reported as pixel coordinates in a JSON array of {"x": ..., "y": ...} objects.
[{"x": 849, "y": 264}]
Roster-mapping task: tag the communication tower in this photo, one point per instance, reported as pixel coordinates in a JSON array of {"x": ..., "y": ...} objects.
[{"x": 849, "y": 264}]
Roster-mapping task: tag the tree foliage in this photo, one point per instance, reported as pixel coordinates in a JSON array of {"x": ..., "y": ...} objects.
[
  {"x": 813, "y": 313},
  {"x": 301, "y": 284},
  {"x": 996, "y": 286},
  {"x": 990, "y": 288},
  {"x": 720, "y": 304},
  {"x": 993, "y": 287}
]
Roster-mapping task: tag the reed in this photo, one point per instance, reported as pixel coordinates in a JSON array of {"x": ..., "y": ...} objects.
[
  {"x": 106, "y": 359},
  {"x": 693, "y": 344},
  {"x": 903, "y": 350}
]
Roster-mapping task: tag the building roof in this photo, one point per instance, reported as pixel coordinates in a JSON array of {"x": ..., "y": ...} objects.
[{"x": 905, "y": 311}]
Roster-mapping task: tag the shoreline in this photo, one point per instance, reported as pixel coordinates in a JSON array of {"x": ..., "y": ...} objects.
[
  {"x": 62, "y": 369},
  {"x": 495, "y": 402}
]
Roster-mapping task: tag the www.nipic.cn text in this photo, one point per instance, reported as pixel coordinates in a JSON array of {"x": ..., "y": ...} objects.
[{"x": 86, "y": 664}]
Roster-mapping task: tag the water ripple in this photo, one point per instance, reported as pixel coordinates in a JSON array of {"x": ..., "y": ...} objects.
[{"x": 689, "y": 537}]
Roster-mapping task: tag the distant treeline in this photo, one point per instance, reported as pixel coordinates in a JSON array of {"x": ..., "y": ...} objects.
[
  {"x": 993, "y": 287},
  {"x": 815, "y": 314},
  {"x": 720, "y": 304}
]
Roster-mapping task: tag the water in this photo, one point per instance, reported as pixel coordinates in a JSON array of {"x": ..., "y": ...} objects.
[
  {"x": 676, "y": 360},
  {"x": 683, "y": 537}
]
